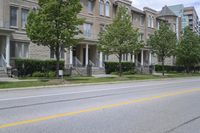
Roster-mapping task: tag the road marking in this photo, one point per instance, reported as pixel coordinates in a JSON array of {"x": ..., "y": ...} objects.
[
  {"x": 97, "y": 90},
  {"x": 98, "y": 108}
]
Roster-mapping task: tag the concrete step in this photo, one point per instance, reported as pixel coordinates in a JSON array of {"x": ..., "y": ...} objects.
[
  {"x": 83, "y": 71},
  {"x": 3, "y": 73}
]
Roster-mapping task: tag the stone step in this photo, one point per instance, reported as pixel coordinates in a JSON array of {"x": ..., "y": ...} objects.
[
  {"x": 83, "y": 71},
  {"x": 3, "y": 73}
]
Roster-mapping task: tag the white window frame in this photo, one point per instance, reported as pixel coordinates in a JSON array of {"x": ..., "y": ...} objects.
[
  {"x": 20, "y": 53},
  {"x": 14, "y": 26},
  {"x": 142, "y": 20},
  {"x": 101, "y": 7},
  {"x": 107, "y": 8},
  {"x": 24, "y": 18},
  {"x": 152, "y": 22},
  {"x": 90, "y": 6},
  {"x": 149, "y": 21},
  {"x": 87, "y": 29}
]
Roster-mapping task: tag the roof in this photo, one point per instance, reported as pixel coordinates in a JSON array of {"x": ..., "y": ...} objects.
[
  {"x": 136, "y": 10},
  {"x": 166, "y": 12}
]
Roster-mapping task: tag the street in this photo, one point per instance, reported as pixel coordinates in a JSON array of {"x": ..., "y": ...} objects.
[{"x": 154, "y": 106}]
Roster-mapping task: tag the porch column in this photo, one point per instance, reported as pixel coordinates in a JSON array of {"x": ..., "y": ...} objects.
[
  {"x": 133, "y": 58},
  {"x": 150, "y": 58},
  {"x": 8, "y": 51},
  {"x": 71, "y": 56},
  {"x": 142, "y": 58},
  {"x": 101, "y": 59},
  {"x": 86, "y": 55}
]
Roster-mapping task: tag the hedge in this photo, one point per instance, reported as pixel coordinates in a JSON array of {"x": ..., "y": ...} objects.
[
  {"x": 175, "y": 68},
  {"x": 114, "y": 67},
  {"x": 29, "y": 66}
]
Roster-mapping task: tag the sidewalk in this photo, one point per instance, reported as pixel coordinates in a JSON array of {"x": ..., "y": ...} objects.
[{"x": 8, "y": 79}]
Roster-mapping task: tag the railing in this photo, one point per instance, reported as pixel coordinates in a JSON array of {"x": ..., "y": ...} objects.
[
  {"x": 77, "y": 62},
  {"x": 3, "y": 62},
  {"x": 91, "y": 63}
]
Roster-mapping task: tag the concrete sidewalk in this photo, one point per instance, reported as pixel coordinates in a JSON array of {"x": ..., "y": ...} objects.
[{"x": 8, "y": 79}]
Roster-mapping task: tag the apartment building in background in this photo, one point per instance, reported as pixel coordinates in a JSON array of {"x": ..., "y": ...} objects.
[
  {"x": 188, "y": 17},
  {"x": 14, "y": 42}
]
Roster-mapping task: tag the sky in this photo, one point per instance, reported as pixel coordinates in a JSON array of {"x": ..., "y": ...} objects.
[{"x": 158, "y": 4}]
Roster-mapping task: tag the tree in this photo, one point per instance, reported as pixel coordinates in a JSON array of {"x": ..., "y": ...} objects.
[
  {"x": 163, "y": 43},
  {"x": 188, "y": 51},
  {"x": 55, "y": 24},
  {"x": 119, "y": 37}
]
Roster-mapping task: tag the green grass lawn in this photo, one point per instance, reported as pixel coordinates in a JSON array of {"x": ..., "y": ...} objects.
[
  {"x": 76, "y": 80},
  {"x": 4, "y": 85}
]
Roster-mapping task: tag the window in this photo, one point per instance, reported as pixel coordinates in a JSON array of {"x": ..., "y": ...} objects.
[
  {"x": 107, "y": 9},
  {"x": 101, "y": 7},
  {"x": 62, "y": 52},
  {"x": 158, "y": 25},
  {"x": 21, "y": 50},
  {"x": 149, "y": 21},
  {"x": 141, "y": 20},
  {"x": 87, "y": 29},
  {"x": 105, "y": 57},
  {"x": 152, "y": 22},
  {"x": 125, "y": 57},
  {"x": 13, "y": 16},
  {"x": 141, "y": 36},
  {"x": 174, "y": 27},
  {"x": 52, "y": 52},
  {"x": 90, "y": 6},
  {"x": 102, "y": 27},
  {"x": 24, "y": 17}
]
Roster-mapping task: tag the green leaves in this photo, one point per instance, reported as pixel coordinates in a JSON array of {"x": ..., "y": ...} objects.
[
  {"x": 119, "y": 37},
  {"x": 54, "y": 23},
  {"x": 188, "y": 51},
  {"x": 163, "y": 42}
]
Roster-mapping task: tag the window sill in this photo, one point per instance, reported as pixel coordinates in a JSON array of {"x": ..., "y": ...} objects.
[
  {"x": 14, "y": 27},
  {"x": 90, "y": 13},
  {"x": 107, "y": 16}
]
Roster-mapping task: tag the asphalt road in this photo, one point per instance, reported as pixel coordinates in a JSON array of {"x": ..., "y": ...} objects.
[{"x": 166, "y": 106}]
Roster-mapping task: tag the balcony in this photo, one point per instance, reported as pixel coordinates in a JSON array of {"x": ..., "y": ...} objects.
[{"x": 88, "y": 36}]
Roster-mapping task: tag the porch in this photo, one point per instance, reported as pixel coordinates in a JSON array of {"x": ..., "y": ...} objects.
[
  {"x": 83, "y": 55},
  {"x": 143, "y": 61}
]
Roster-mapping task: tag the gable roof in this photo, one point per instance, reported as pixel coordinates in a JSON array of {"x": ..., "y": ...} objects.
[{"x": 166, "y": 12}]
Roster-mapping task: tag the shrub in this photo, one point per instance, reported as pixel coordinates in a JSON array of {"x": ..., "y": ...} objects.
[
  {"x": 29, "y": 66},
  {"x": 51, "y": 74},
  {"x": 38, "y": 74},
  {"x": 175, "y": 68},
  {"x": 111, "y": 67}
]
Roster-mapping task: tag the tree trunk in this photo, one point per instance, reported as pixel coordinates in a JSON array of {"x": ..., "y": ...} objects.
[
  {"x": 163, "y": 63},
  {"x": 57, "y": 61},
  {"x": 120, "y": 65}
]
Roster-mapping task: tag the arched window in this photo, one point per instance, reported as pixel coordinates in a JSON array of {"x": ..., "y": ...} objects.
[
  {"x": 149, "y": 21},
  {"x": 152, "y": 22},
  {"x": 101, "y": 7},
  {"x": 107, "y": 8}
]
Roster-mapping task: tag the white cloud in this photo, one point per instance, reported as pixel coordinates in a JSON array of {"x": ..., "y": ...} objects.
[{"x": 158, "y": 4}]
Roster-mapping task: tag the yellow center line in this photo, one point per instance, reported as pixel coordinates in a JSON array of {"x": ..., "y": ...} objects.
[{"x": 97, "y": 108}]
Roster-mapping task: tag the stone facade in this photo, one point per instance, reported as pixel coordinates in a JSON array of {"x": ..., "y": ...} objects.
[{"x": 97, "y": 13}]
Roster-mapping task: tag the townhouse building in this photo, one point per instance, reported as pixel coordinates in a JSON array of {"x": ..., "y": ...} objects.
[{"x": 14, "y": 42}]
